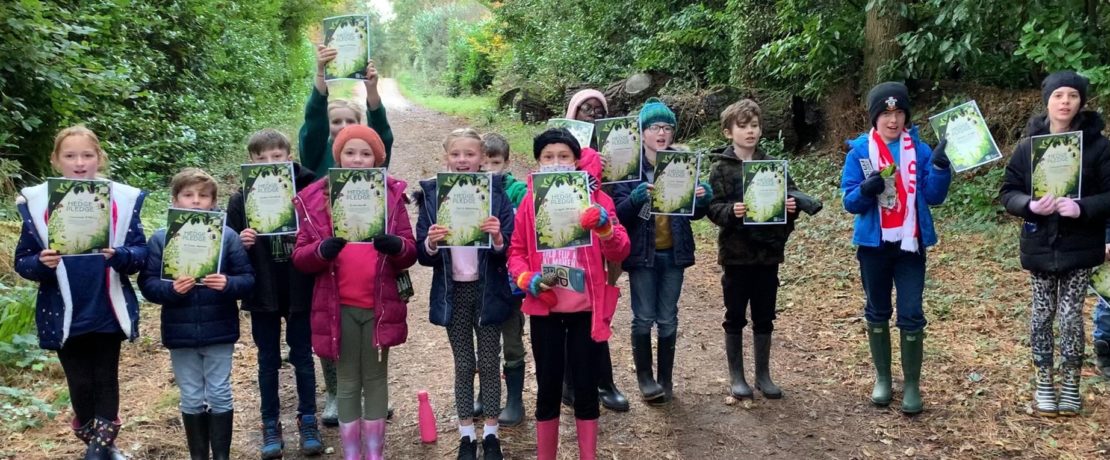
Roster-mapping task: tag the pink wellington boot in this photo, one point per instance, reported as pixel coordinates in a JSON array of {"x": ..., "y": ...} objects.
[
  {"x": 350, "y": 437},
  {"x": 373, "y": 438},
  {"x": 587, "y": 439},
  {"x": 547, "y": 439}
]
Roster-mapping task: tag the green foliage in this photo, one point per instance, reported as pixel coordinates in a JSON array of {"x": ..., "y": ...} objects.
[
  {"x": 1057, "y": 41},
  {"x": 816, "y": 44},
  {"x": 164, "y": 84},
  {"x": 17, "y": 310},
  {"x": 688, "y": 44},
  {"x": 24, "y": 364},
  {"x": 973, "y": 197},
  {"x": 474, "y": 51}
]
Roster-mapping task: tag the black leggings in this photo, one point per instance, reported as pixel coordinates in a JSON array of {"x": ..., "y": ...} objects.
[
  {"x": 91, "y": 364},
  {"x": 559, "y": 338}
]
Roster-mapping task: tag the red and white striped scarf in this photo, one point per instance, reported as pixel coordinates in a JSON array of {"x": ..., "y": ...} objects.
[{"x": 898, "y": 222}]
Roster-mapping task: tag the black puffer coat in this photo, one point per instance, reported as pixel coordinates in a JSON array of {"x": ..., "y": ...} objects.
[{"x": 1055, "y": 244}]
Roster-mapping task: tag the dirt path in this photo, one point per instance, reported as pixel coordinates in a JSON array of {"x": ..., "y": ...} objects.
[{"x": 820, "y": 359}]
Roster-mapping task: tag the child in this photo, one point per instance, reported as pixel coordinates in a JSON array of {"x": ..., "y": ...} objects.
[
  {"x": 567, "y": 323},
  {"x": 750, "y": 255},
  {"x": 1102, "y": 329},
  {"x": 893, "y": 227},
  {"x": 86, "y": 305},
  {"x": 460, "y": 301},
  {"x": 322, "y": 122},
  {"x": 357, "y": 310},
  {"x": 495, "y": 150},
  {"x": 1062, "y": 238},
  {"x": 323, "y": 119},
  {"x": 200, "y": 323},
  {"x": 662, "y": 249},
  {"x": 590, "y": 105},
  {"x": 280, "y": 292}
]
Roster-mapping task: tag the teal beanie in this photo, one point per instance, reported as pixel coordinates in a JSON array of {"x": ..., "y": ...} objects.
[{"x": 655, "y": 111}]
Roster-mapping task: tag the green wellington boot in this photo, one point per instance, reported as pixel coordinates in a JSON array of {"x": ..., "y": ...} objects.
[
  {"x": 912, "y": 351},
  {"x": 878, "y": 336}
]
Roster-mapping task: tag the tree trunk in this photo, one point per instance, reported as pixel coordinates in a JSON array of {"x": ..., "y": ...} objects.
[
  {"x": 1092, "y": 17},
  {"x": 884, "y": 23}
]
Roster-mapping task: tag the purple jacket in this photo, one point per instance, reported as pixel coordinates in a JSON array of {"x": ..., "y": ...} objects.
[{"x": 390, "y": 310}]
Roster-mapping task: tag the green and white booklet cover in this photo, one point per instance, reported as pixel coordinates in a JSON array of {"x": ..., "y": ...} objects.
[
  {"x": 350, "y": 37},
  {"x": 765, "y": 192},
  {"x": 79, "y": 216},
  {"x": 1058, "y": 165},
  {"x": 583, "y": 131},
  {"x": 268, "y": 191},
  {"x": 194, "y": 243},
  {"x": 358, "y": 203},
  {"x": 558, "y": 200},
  {"x": 970, "y": 143},
  {"x": 462, "y": 204},
  {"x": 676, "y": 180},
  {"x": 1100, "y": 281},
  {"x": 619, "y": 141}
]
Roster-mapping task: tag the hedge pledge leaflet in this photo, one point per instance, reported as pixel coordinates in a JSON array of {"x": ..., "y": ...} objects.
[
  {"x": 194, "y": 244},
  {"x": 79, "y": 215}
]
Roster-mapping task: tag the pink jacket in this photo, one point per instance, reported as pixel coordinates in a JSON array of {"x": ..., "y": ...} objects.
[
  {"x": 524, "y": 257},
  {"x": 390, "y": 310}
]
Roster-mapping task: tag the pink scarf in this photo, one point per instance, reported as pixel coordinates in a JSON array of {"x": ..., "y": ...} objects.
[{"x": 898, "y": 214}]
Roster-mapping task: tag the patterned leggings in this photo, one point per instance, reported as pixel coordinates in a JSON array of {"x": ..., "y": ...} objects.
[
  {"x": 1063, "y": 293},
  {"x": 460, "y": 332}
]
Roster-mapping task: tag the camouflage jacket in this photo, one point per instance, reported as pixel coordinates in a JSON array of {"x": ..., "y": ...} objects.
[{"x": 739, "y": 244}]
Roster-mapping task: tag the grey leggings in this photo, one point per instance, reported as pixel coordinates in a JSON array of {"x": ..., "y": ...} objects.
[
  {"x": 460, "y": 332},
  {"x": 362, "y": 368},
  {"x": 1058, "y": 294}
]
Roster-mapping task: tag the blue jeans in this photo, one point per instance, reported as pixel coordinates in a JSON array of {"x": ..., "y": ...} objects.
[
  {"x": 655, "y": 292},
  {"x": 886, "y": 268},
  {"x": 1102, "y": 321},
  {"x": 204, "y": 377},
  {"x": 266, "y": 330}
]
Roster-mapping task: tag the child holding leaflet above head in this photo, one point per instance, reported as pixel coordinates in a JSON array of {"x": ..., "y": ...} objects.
[
  {"x": 200, "y": 323},
  {"x": 470, "y": 294},
  {"x": 86, "y": 305},
  {"x": 322, "y": 122},
  {"x": 565, "y": 321},
  {"x": 357, "y": 309}
]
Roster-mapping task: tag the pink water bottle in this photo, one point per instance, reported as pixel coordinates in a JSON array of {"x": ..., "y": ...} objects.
[{"x": 426, "y": 418}]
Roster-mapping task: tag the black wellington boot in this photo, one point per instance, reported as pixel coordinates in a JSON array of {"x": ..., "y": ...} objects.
[
  {"x": 196, "y": 434},
  {"x": 734, "y": 351},
  {"x": 641, "y": 355},
  {"x": 611, "y": 398},
  {"x": 568, "y": 384},
  {"x": 763, "y": 367},
  {"x": 666, "y": 366},
  {"x": 513, "y": 412},
  {"x": 1102, "y": 357},
  {"x": 219, "y": 429}
]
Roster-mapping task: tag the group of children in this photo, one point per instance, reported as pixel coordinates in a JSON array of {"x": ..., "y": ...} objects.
[{"x": 344, "y": 302}]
